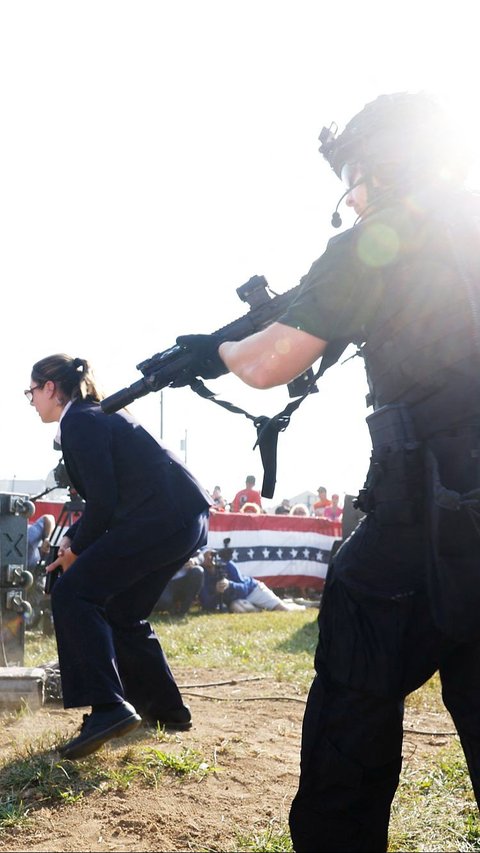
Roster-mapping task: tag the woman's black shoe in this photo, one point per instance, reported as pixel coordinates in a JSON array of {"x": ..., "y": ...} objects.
[
  {"x": 99, "y": 727},
  {"x": 179, "y": 719}
]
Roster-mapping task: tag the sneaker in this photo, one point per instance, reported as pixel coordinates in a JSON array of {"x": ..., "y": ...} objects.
[
  {"x": 179, "y": 719},
  {"x": 99, "y": 727}
]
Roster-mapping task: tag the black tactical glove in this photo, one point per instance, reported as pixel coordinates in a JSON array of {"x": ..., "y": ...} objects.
[{"x": 206, "y": 361}]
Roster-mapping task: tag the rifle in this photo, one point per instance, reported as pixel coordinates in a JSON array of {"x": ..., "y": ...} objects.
[{"x": 162, "y": 369}]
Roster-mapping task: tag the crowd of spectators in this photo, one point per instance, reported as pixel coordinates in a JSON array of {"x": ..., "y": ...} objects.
[
  {"x": 216, "y": 584},
  {"x": 199, "y": 579},
  {"x": 249, "y": 499}
]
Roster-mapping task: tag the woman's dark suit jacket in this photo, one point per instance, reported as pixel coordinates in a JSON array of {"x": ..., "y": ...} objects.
[{"x": 133, "y": 487}]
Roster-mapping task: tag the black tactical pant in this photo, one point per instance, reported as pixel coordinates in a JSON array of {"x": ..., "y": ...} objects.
[{"x": 377, "y": 643}]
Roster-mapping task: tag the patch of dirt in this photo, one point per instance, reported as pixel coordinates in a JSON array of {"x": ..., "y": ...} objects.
[{"x": 250, "y": 730}]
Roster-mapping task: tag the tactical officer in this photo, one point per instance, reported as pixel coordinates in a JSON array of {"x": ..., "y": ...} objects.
[{"x": 402, "y": 594}]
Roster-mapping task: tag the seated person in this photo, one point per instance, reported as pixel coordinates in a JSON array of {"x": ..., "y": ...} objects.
[
  {"x": 299, "y": 509},
  {"x": 183, "y": 588},
  {"x": 283, "y": 508},
  {"x": 39, "y": 535},
  {"x": 38, "y": 539},
  {"x": 251, "y": 507},
  {"x": 225, "y": 589}
]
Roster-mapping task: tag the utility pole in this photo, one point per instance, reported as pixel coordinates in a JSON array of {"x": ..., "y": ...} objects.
[{"x": 183, "y": 446}]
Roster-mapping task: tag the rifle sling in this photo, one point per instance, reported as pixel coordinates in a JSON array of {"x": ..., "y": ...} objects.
[{"x": 267, "y": 428}]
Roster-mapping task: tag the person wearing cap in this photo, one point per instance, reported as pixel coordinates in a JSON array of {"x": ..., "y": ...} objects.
[
  {"x": 322, "y": 502},
  {"x": 402, "y": 594},
  {"x": 247, "y": 495}
]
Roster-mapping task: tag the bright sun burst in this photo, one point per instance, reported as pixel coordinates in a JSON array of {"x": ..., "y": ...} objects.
[{"x": 462, "y": 106}]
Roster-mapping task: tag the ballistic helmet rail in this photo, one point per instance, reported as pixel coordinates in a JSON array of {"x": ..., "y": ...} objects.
[{"x": 411, "y": 133}]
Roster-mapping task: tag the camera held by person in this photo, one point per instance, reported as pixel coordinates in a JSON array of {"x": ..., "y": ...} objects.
[{"x": 225, "y": 589}]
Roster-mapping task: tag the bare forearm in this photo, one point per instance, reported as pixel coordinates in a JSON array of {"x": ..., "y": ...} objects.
[{"x": 273, "y": 356}]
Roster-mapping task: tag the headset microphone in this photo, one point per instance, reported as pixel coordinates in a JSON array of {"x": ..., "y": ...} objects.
[{"x": 336, "y": 218}]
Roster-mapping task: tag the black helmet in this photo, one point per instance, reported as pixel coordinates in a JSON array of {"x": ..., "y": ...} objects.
[{"x": 406, "y": 134}]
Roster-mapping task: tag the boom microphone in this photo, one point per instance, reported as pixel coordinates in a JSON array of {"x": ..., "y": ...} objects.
[{"x": 336, "y": 218}]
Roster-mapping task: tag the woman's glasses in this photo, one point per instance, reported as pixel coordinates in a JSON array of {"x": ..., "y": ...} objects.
[{"x": 29, "y": 392}]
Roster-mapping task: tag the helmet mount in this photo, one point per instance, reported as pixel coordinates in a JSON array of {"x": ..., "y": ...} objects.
[{"x": 398, "y": 137}]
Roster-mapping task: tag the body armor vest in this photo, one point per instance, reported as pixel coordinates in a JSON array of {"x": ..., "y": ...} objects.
[
  {"x": 423, "y": 345},
  {"x": 422, "y": 355}
]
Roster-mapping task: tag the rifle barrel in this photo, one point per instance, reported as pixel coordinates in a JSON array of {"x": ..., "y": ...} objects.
[
  {"x": 163, "y": 368},
  {"x": 125, "y": 396}
]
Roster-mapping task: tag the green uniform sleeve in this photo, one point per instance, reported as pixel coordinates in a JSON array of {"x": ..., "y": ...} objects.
[{"x": 341, "y": 291}]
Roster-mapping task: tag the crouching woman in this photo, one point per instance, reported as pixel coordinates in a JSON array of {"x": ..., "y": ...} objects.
[{"x": 144, "y": 516}]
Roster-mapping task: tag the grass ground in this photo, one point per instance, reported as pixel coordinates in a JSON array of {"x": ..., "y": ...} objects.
[{"x": 434, "y": 808}]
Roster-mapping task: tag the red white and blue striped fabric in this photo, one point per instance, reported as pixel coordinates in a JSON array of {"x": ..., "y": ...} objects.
[{"x": 281, "y": 550}]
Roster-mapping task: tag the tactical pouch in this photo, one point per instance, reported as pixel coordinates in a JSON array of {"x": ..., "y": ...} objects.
[
  {"x": 394, "y": 488},
  {"x": 454, "y": 517}
]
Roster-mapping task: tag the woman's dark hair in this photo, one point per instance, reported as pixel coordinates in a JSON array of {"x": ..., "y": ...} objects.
[{"x": 73, "y": 377}]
